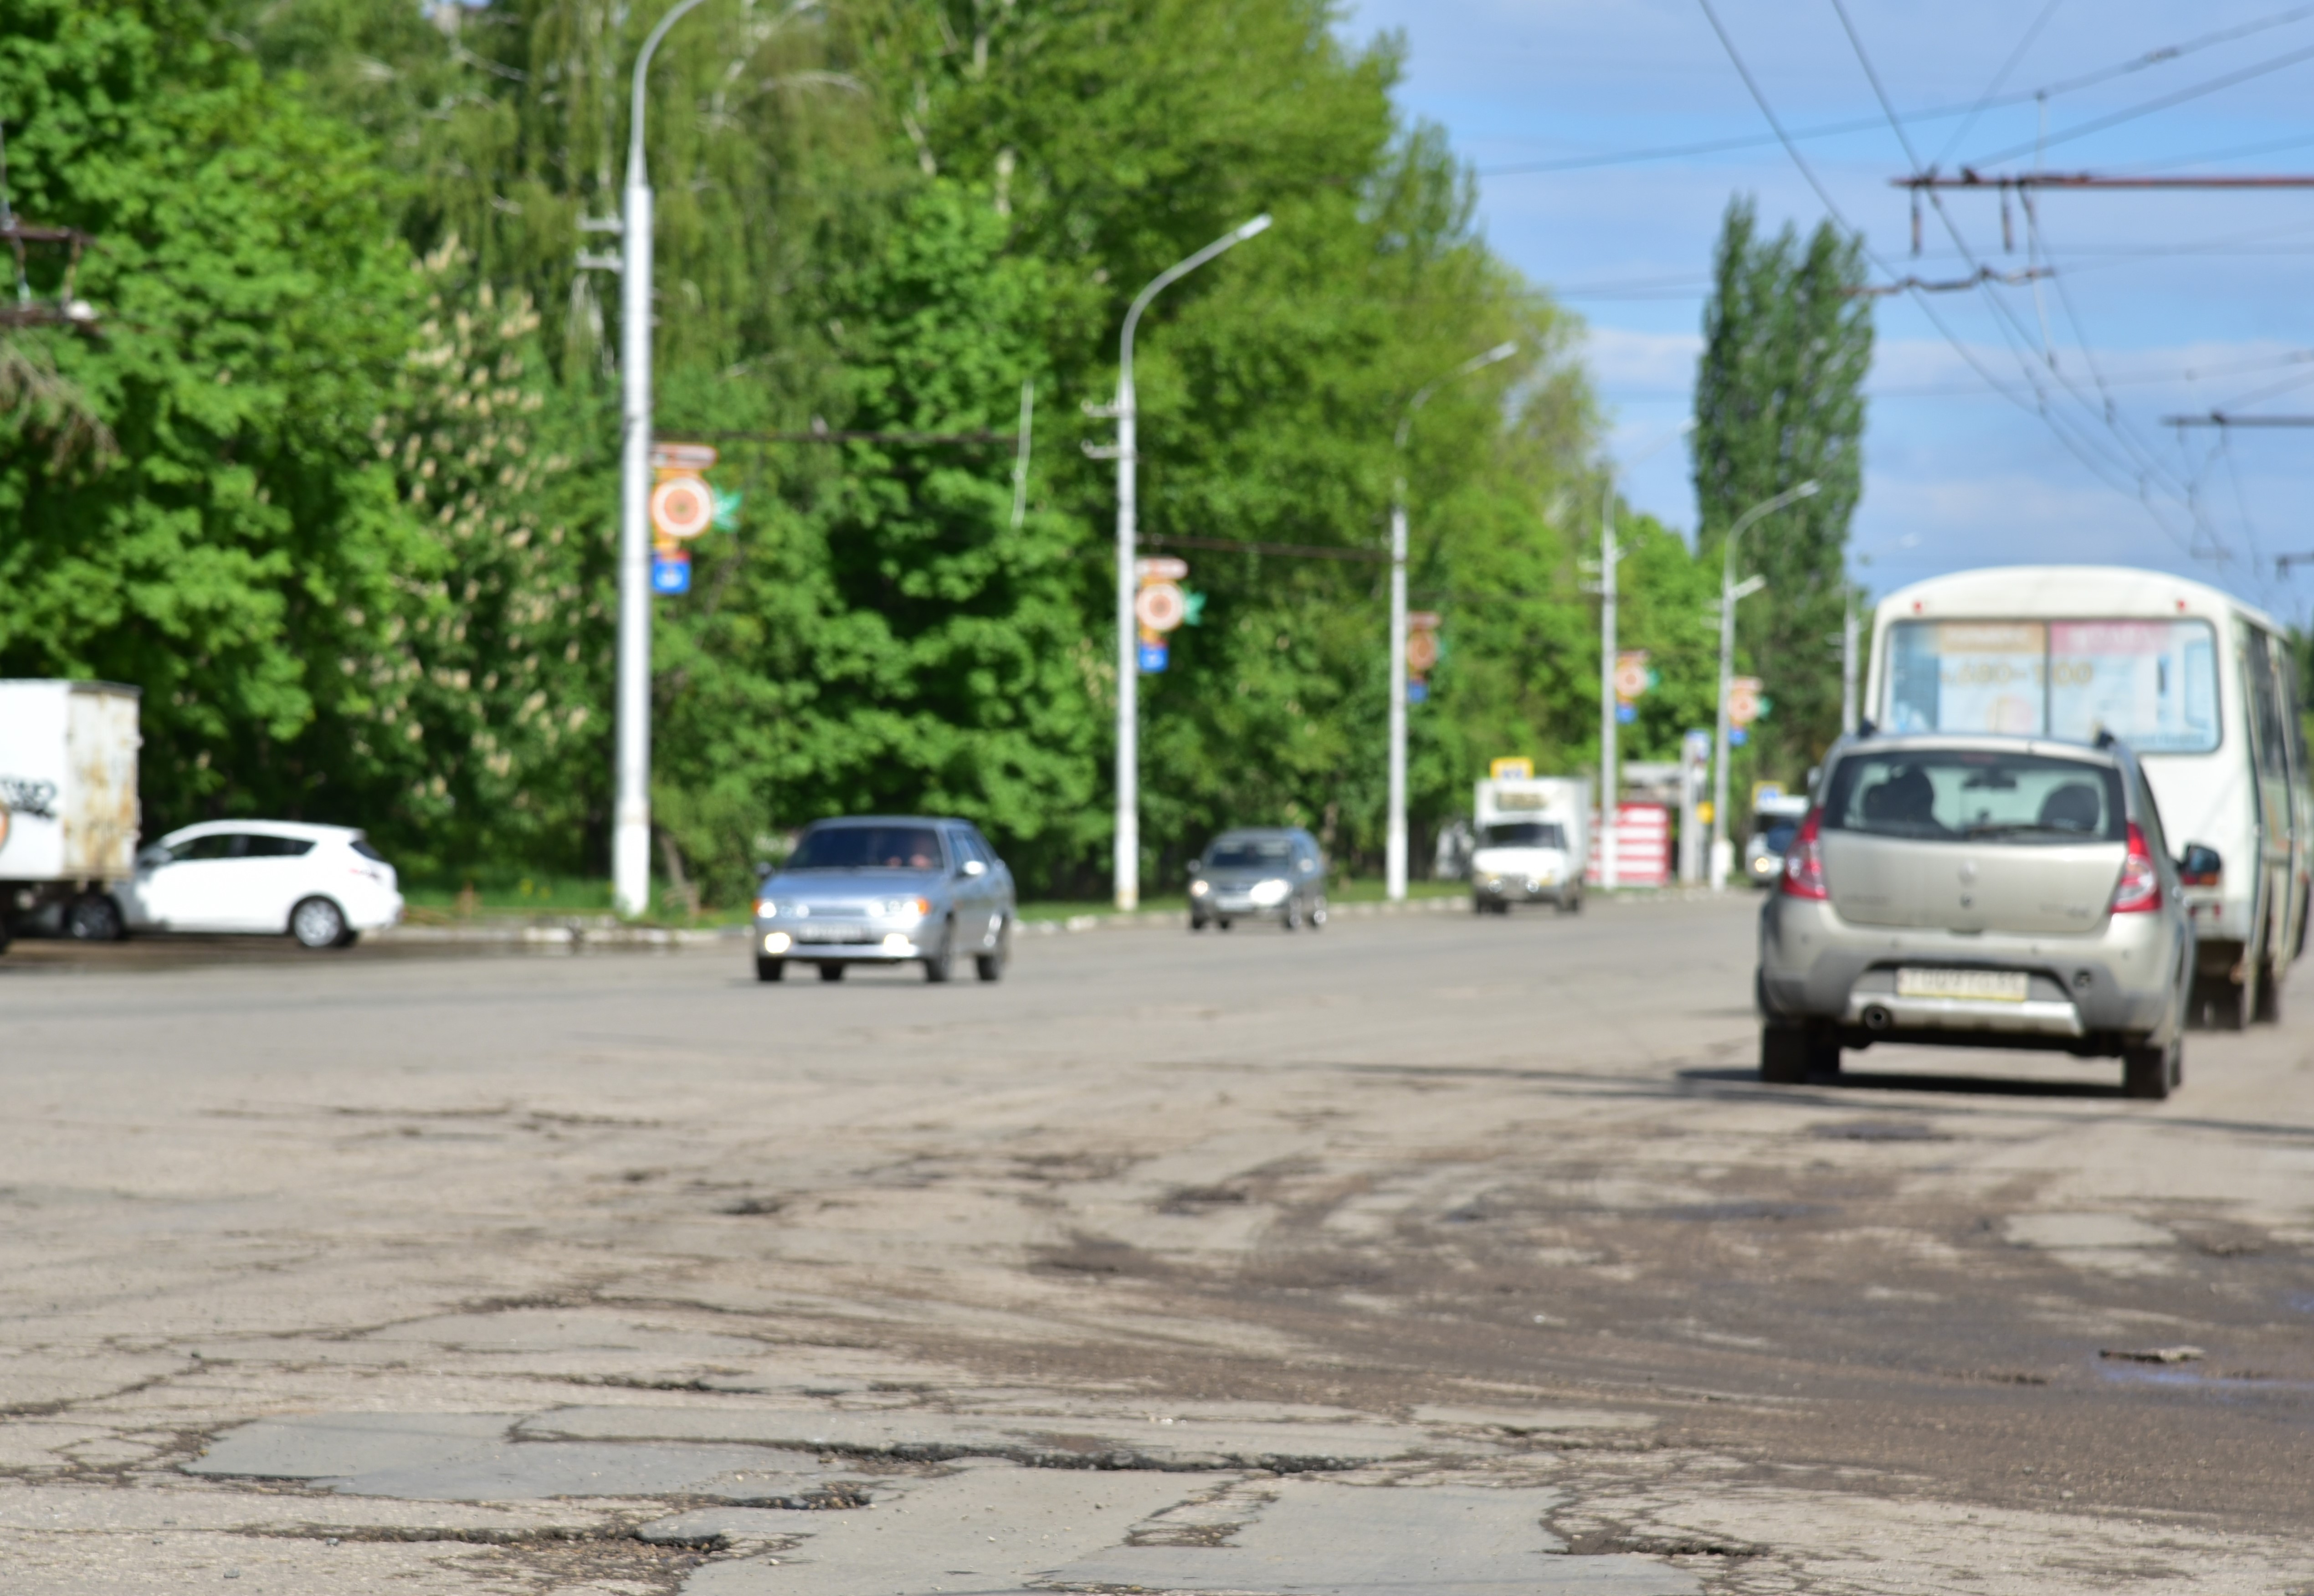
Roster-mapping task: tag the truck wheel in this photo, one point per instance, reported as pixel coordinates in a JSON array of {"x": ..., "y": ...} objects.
[
  {"x": 2269, "y": 995},
  {"x": 770, "y": 969},
  {"x": 318, "y": 923},
  {"x": 1783, "y": 1055},
  {"x": 94, "y": 917},
  {"x": 2149, "y": 1071}
]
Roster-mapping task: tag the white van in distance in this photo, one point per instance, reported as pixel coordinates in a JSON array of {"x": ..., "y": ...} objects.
[{"x": 1533, "y": 840}]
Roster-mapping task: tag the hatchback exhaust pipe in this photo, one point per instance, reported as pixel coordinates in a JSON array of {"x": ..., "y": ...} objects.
[{"x": 1877, "y": 1018}]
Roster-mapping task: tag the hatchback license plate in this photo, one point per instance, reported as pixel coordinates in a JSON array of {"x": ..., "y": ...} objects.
[{"x": 1994, "y": 986}]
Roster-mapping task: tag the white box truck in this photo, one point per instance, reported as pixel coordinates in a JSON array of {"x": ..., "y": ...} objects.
[
  {"x": 68, "y": 811},
  {"x": 1533, "y": 841}
]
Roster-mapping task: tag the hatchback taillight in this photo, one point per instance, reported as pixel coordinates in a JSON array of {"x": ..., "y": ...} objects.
[
  {"x": 1804, "y": 862},
  {"x": 2139, "y": 891}
]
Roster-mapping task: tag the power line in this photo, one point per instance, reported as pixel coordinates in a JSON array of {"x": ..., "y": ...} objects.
[
  {"x": 2001, "y": 76},
  {"x": 2147, "y": 108},
  {"x": 2155, "y": 58},
  {"x": 2146, "y": 465}
]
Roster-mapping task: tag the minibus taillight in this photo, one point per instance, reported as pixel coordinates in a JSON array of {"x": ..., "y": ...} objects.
[
  {"x": 1804, "y": 862},
  {"x": 2139, "y": 891}
]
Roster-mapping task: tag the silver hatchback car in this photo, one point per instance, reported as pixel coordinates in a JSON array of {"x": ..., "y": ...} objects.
[
  {"x": 883, "y": 890},
  {"x": 1978, "y": 891}
]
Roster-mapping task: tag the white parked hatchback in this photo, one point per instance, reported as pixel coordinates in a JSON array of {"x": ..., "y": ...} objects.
[{"x": 324, "y": 885}]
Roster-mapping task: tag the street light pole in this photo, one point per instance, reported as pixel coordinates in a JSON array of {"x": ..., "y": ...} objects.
[
  {"x": 1394, "y": 845},
  {"x": 1609, "y": 555},
  {"x": 1730, "y": 590},
  {"x": 631, "y": 816},
  {"x": 1126, "y": 859}
]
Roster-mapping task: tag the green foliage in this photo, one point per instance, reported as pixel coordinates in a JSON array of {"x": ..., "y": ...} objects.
[
  {"x": 357, "y": 542},
  {"x": 1779, "y": 399},
  {"x": 243, "y": 539}
]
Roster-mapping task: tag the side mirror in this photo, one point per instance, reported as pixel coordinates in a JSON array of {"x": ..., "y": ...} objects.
[
  {"x": 973, "y": 867},
  {"x": 1309, "y": 865},
  {"x": 153, "y": 858},
  {"x": 2200, "y": 866}
]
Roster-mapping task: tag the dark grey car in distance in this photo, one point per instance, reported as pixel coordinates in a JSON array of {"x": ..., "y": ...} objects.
[
  {"x": 1259, "y": 873},
  {"x": 1979, "y": 891},
  {"x": 887, "y": 890}
]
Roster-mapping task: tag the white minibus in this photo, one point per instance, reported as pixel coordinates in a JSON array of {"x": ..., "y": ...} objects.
[{"x": 2200, "y": 685}]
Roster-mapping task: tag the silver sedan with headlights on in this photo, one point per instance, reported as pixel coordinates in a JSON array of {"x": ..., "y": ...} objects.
[
  {"x": 1272, "y": 873},
  {"x": 1979, "y": 891},
  {"x": 883, "y": 890}
]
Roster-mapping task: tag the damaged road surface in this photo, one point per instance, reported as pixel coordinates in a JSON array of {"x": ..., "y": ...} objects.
[{"x": 1435, "y": 1255}]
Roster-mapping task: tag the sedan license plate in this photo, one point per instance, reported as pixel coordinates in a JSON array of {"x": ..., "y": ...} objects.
[{"x": 1992, "y": 986}]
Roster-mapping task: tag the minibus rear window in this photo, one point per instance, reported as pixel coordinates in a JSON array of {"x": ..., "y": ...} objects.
[{"x": 2153, "y": 684}]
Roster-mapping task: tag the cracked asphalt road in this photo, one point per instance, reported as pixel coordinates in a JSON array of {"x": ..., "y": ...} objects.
[{"x": 1431, "y": 1253}]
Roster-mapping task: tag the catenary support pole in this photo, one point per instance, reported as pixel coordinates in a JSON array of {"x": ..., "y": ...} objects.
[
  {"x": 630, "y": 824},
  {"x": 1394, "y": 842},
  {"x": 1126, "y": 856}
]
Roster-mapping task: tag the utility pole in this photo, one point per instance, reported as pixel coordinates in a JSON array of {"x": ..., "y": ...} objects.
[
  {"x": 630, "y": 820},
  {"x": 1848, "y": 669},
  {"x": 1731, "y": 590},
  {"x": 1125, "y": 859},
  {"x": 1394, "y": 837}
]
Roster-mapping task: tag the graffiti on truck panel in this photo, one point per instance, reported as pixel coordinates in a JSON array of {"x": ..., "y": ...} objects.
[{"x": 35, "y": 798}]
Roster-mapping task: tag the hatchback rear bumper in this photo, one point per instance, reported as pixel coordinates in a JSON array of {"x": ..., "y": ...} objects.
[{"x": 2121, "y": 981}]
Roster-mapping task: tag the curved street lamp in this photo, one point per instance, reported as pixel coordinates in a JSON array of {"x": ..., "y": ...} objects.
[
  {"x": 1730, "y": 590},
  {"x": 631, "y": 814},
  {"x": 1126, "y": 858},
  {"x": 1394, "y": 850}
]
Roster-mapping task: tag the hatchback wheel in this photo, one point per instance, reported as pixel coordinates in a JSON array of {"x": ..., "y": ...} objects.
[
  {"x": 1784, "y": 1054},
  {"x": 1292, "y": 919},
  {"x": 317, "y": 923},
  {"x": 770, "y": 969},
  {"x": 2150, "y": 1072},
  {"x": 93, "y": 918}
]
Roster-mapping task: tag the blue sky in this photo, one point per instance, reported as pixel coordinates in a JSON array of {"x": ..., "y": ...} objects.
[{"x": 2163, "y": 303}]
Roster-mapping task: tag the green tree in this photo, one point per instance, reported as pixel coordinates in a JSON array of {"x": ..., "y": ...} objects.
[
  {"x": 245, "y": 538},
  {"x": 1778, "y": 400}
]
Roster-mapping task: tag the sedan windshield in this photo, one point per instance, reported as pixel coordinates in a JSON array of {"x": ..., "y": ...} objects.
[
  {"x": 1971, "y": 795},
  {"x": 1525, "y": 833},
  {"x": 868, "y": 848},
  {"x": 1250, "y": 853}
]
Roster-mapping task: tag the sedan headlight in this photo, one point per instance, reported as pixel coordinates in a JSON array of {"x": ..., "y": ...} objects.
[
  {"x": 766, "y": 909},
  {"x": 1269, "y": 893},
  {"x": 1198, "y": 889},
  {"x": 906, "y": 910}
]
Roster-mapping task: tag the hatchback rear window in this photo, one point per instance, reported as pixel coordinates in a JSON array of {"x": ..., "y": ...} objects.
[
  {"x": 1976, "y": 795},
  {"x": 361, "y": 846},
  {"x": 868, "y": 848}
]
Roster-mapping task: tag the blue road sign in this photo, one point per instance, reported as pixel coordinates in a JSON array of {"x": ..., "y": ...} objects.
[
  {"x": 1625, "y": 713},
  {"x": 1417, "y": 692},
  {"x": 671, "y": 573},
  {"x": 1152, "y": 659},
  {"x": 1737, "y": 737}
]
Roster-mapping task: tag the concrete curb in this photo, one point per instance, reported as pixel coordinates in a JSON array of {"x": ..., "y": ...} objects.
[{"x": 574, "y": 933}]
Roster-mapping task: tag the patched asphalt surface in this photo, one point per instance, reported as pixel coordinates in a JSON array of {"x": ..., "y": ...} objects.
[{"x": 1955, "y": 1320}]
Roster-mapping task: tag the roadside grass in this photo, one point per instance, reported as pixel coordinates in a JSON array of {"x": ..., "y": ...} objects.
[{"x": 447, "y": 899}]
